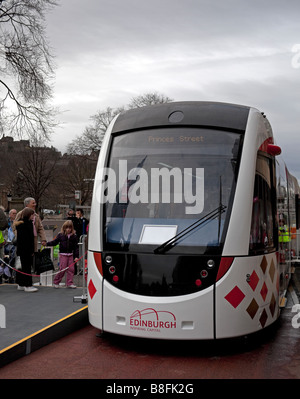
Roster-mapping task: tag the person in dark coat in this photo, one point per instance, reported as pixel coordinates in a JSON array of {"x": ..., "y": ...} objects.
[
  {"x": 25, "y": 249},
  {"x": 82, "y": 223}
]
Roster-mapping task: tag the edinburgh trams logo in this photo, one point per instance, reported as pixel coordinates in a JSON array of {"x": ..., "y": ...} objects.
[{"x": 150, "y": 319}]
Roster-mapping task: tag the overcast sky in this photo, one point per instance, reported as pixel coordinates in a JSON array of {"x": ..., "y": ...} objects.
[{"x": 239, "y": 51}]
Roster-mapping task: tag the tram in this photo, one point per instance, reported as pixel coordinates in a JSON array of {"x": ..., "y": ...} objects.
[{"x": 184, "y": 236}]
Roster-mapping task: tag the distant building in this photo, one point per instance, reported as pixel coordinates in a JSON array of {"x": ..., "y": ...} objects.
[
  {"x": 71, "y": 173},
  {"x": 8, "y": 144}
]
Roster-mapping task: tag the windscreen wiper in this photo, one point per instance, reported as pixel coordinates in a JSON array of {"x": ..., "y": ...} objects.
[{"x": 173, "y": 241}]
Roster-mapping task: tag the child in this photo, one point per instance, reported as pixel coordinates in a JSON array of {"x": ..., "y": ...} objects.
[{"x": 68, "y": 253}]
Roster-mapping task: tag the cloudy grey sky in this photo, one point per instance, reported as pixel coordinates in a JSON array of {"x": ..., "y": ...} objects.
[{"x": 239, "y": 51}]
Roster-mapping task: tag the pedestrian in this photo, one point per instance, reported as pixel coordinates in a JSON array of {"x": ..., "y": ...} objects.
[
  {"x": 76, "y": 222},
  {"x": 11, "y": 217},
  {"x": 38, "y": 229},
  {"x": 3, "y": 226},
  {"x": 68, "y": 253},
  {"x": 83, "y": 222},
  {"x": 10, "y": 247},
  {"x": 10, "y": 233},
  {"x": 25, "y": 249},
  {"x": 3, "y": 219}
]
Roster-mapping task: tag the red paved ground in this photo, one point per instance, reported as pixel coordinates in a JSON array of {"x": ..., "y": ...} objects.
[{"x": 84, "y": 355}]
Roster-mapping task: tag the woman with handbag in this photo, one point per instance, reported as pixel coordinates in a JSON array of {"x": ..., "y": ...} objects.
[{"x": 25, "y": 249}]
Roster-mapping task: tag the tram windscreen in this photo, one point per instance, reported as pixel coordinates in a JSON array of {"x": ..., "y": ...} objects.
[{"x": 160, "y": 182}]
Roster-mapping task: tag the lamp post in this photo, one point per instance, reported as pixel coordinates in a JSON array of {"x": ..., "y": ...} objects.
[{"x": 9, "y": 197}]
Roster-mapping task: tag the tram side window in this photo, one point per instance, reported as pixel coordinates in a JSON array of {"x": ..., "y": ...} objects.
[{"x": 263, "y": 211}]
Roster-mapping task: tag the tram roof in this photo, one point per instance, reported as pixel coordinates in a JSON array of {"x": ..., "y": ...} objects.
[{"x": 188, "y": 113}]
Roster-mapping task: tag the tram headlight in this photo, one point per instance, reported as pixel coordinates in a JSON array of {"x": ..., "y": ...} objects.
[
  {"x": 210, "y": 263},
  {"x": 108, "y": 259}
]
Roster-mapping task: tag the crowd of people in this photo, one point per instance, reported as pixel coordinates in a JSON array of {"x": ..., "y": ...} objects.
[{"x": 19, "y": 236}]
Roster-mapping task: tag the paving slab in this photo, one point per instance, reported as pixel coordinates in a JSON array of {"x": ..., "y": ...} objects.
[{"x": 29, "y": 321}]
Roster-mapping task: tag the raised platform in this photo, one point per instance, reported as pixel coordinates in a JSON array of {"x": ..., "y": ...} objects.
[{"x": 29, "y": 321}]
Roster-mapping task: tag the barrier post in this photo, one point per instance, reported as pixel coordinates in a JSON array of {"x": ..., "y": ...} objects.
[{"x": 83, "y": 297}]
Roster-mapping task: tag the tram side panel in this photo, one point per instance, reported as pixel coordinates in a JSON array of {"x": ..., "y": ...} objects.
[
  {"x": 247, "y": 297},
  {"x": 95, "y": 239},
  {"x": 95, "y": 291}
]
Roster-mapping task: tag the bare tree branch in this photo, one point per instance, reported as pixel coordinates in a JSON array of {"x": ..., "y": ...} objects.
[
  {"x": 37, "y": 171},
  {"x": 91, "y": 139},
  {"x": 26, "y": 67},
  {"x": 148, "y": 99}
]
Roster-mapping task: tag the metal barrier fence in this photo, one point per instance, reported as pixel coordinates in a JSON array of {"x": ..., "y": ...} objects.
[{"x": 82, "y": 255}]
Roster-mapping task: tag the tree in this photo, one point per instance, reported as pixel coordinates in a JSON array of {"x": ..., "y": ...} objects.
[
  {"x": 79, "y": 177},
  {"x": 26, "y": 68},
  {"x": 37, "y": 172},
  {"x": 148, "y": 99},
  {"x": 92, "y": 137}
]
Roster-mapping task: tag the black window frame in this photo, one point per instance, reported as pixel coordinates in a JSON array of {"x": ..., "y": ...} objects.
[{"x": 267, "y": 243}]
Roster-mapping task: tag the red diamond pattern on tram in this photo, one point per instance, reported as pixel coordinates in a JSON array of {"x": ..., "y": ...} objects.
[
  {"x": 272, "y": 271},
  {"x": 263, "y": 318},
  {"x": 252, "y": 308},
  {"x": 235, "y": 297},
  {"x": 254, "y": 279},
  {"x": 92, "y": 289},
  {"x": 264, "y": 264},
  {"x": 264, "y": 291},
  {"x": 272, "y": 305}
]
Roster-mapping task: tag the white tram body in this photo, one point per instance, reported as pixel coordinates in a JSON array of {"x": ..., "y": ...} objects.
[{"x": 203, "y": 285}]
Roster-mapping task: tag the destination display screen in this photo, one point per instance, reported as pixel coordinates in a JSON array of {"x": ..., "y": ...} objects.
[{"x": 175, "y": 138}]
